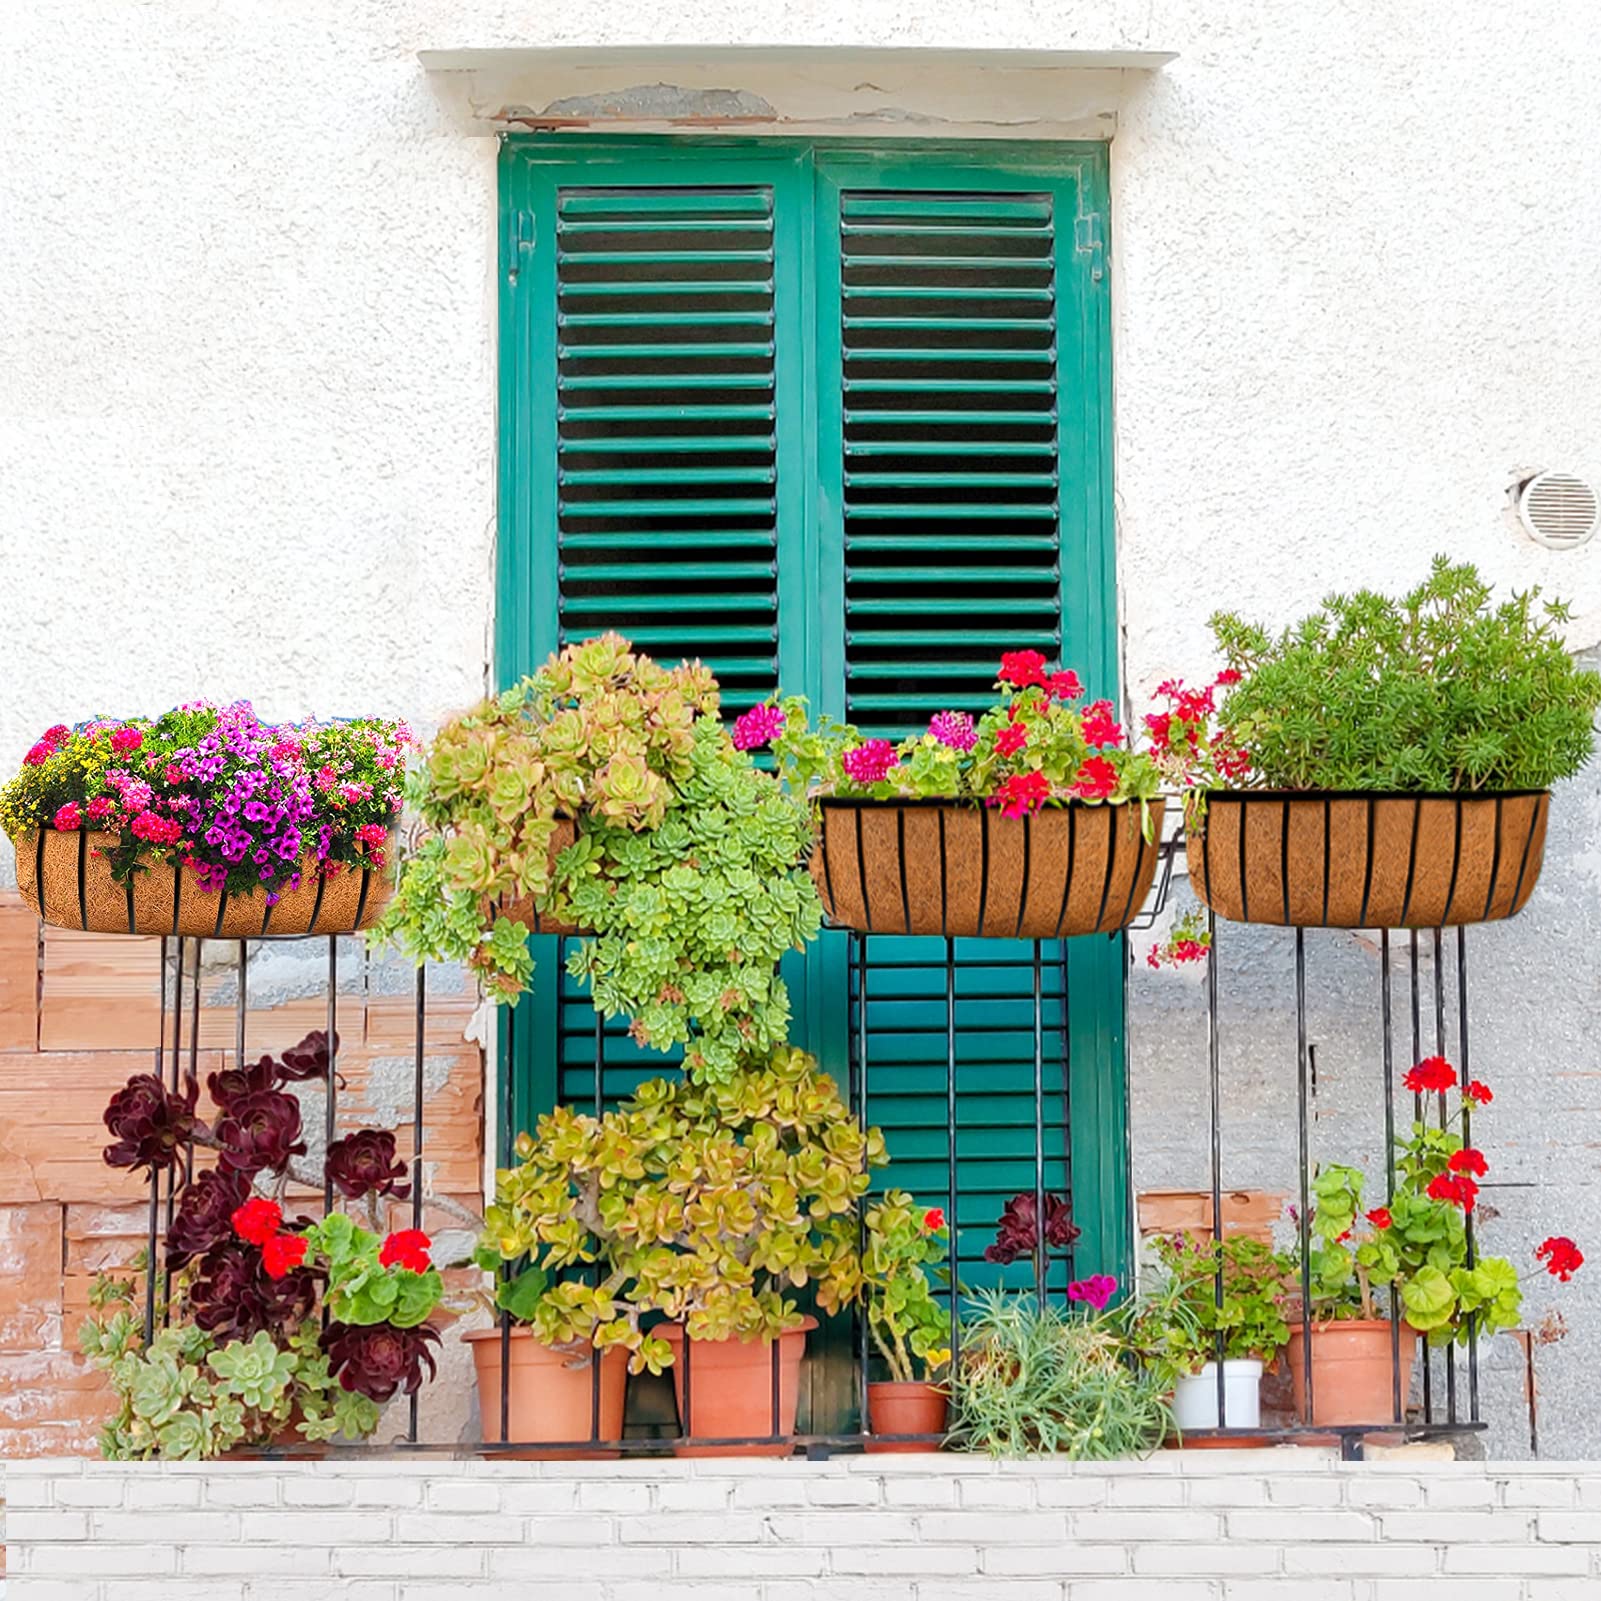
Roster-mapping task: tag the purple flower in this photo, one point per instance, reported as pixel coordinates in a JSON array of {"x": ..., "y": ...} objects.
[
  {"x": 1016, "y": 1234},
  {"x": 954, "y": 730},
  {"x": 757, "y": 727},
  {"x": 1095, "y": 1291}
]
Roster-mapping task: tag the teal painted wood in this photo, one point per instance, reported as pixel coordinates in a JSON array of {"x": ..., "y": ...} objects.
[{"x": 1063, "y": 536}]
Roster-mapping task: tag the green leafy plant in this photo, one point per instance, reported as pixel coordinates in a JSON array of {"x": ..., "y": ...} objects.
[
  {"x": 1441, "y": 690},
  {"x": 686, "y": 868},
  {"x": 1036, "y": 747},
  {"x": 1417, "y": 1244},
  {"x": 360, "y": 1286},
  {"x": 708, "y": 1203},
  {"x": 1181, "y": 1325},
  {"x": 190, "y": 1395},
  {"x": 1039, "y": 1381},
  {"x": 909, "y": 1327}
]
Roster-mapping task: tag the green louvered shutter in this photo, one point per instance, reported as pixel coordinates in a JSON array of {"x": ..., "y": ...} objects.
[
  {"x": 836, "y": 421},
  {"x": 961, "y": 420}
]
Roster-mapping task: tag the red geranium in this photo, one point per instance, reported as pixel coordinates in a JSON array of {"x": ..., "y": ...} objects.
[
  {"x": 282, "y": 1254},
  {"x": 1022, "y": 669},
  {"x": 1011, "y": 739},
  {"x": 1478, "y": 1093},
  {"x": 1100, "y": 728},
  {"x": 1064, "y": 686},
  {"x": 257, "y": 1220},
  {"x": 933, "y": 1218},
  {"x": 1469, "y": 1160},
  {"x": 1097, "y": 778},
  {"x": 1458, "y": 1189},
  {"x": 1561, "y": 1256},
  {"x": 406, "y": 1248},
  {"x": 1380, "y": 1217},
  {"x": 1432, "y": 1073},
  {"x": 1021, "y": 794}
]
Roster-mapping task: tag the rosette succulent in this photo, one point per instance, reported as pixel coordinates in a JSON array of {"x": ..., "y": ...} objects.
[
  {"x": 232, "y": 1294},
  {"x": 206, "y": 1205},
  {"x": 364, "y": 1163},
  {"x": 378, "y": 1360},
  {"x": 152, "y": 1124},
  {"x": 1017, "y": 1234},
  {"x": 260, "y": 1132}
]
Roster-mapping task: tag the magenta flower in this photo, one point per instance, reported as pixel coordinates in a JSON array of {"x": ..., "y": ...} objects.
[
  {"x": 68, "y": 817},
  {"x": 954, "y": 730},
  {"x": 871, "y": 761},
  {"x": 1094, "y": 1291},
  {"x": 757, "y": 727}
]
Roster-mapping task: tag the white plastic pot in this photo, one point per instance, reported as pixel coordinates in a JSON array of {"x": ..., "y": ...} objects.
[{"x": 1195, "y": 1396}]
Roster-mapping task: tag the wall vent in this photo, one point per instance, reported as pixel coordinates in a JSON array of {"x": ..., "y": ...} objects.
[{"x": 1559, "y": 510}]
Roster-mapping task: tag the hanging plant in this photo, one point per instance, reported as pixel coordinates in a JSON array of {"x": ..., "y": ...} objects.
[{"x": 603, "y": 793}]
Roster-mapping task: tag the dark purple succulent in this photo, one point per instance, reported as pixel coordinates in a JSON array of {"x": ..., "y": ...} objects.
[
  {"x": 206, "y": 1206},
  {"x": 309, "y": 1059},
  {"x": 153, "y": 1125},
  {"x": 234, "y": 1083},
  {"x": 364, "y": 1163},
  {"x": 233, "y": 1298},
  {"x": 1017, "y": 1233},
  {"x": 378, "y": 1359},
  {"x": 261, "y": 1132}
]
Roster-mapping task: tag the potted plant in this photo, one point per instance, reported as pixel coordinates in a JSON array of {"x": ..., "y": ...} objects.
[
  {"x": 909, "y": 1328},
  {"x": 702, "y": 1204},
  {"x": 1035, "y": 1381},
  {"x": 1382, "y": 763},
  {"x": 276, "y": 1332},
  {"x": 207, "y": 822},
  {"x": 1187, "y": 1322},
  {"x": 1033, "y": 821},
  {"x": 1415, "y": 1246},
  {"x": 603, "y": 793}
]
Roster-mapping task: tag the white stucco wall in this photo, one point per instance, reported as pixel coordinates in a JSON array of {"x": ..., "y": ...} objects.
[{"x": 247, "y": 366}]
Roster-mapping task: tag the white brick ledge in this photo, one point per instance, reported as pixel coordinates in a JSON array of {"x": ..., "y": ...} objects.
[{"x": 1223, "y": 1526}]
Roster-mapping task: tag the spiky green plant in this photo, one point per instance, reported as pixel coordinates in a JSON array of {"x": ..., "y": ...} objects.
[{"x": 1035, "y": 1381}]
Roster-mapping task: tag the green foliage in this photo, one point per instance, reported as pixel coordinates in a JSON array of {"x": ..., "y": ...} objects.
[
  {"x": 188, "y": 1397},
  {"x": 1440, "y": 690},
  {"x": 1038, "y": 1382},
  {"x": 359, "y": 1288},
  {"x": 1181, "y": 1327},
  {"x": 706, "y": 1202},
  {"x": 910, "y": 1328},
  {"x": 1417, "y": 1245},
  {"x": 687, "y": 866}
]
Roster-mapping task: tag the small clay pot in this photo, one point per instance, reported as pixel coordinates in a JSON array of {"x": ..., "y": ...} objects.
[
  {"x": 552, "y": 1396},
  {"x": 1353, "y": 1374},
  {"x": 521, "y": 908},
  {"x": 67, "y": 880},
  {"x": 936, "y": 867},
  {"x": 730, "y": 1386},
  {"x": 1309, "y": 859},
  {"x": 896, "y": 1406}
]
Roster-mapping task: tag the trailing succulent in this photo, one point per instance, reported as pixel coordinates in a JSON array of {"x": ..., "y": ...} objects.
[
  {"x": 685, "y": 870},
  {"x": 244, "y": 1359},
  {"x": 1439, "y": 691},
  {"x": 706, "y": 1202}
]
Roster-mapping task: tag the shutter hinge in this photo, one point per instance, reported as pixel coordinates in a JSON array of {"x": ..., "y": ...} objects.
[
  {"x": 1090, "y": 240},
  {"x": 522, "y": 242}
]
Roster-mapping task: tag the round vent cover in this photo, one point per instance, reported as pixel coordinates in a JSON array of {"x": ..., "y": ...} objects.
[{"x": 1559, "y": 510}]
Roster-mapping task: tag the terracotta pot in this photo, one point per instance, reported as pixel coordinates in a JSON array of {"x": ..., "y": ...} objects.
[
  {"x": 1307, "y": 859},
  {"x": 1353, "y": 1379},
  {"x": 521, "y": 908},
  {"x": 550, "y": 1399},
  {"x": 69, "y": 885},
  {"x": 934, "y": 867},
  {"x": 897, "y": 1407},
  {"x": 731, "y": 1390}
]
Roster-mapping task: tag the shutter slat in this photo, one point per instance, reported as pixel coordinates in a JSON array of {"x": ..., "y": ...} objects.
[{"x": 666, "y": 410}]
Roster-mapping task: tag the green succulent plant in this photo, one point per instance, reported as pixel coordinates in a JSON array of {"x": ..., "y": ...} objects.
[
  {"x": 687, "y": 868},
  {"x": 254, "y": 1370},
  {"x": 706, "y": 1202}
]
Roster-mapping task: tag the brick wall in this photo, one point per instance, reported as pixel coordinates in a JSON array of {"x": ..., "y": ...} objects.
[
  {"x": 1237, "y": 1526},
  {"x": 78, "y": 1015}
]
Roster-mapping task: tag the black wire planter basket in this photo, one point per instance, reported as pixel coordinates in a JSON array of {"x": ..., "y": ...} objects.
[
  {"x": 1349, "y": 859},
  {"x": 963, "y": 870},
  {"x": 65, "y": 877}
]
